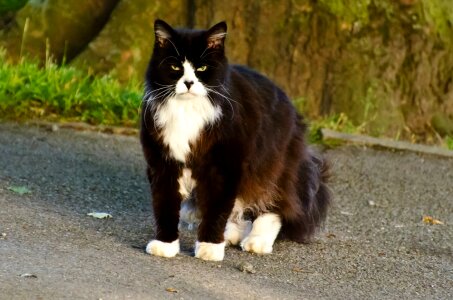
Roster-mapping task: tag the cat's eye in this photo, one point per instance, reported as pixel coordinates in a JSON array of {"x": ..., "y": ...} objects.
[
  {"x": 202, "y": 68},
  {"x": 174, "y": 67}
]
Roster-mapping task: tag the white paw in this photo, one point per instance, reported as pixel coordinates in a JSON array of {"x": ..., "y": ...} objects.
[
  {"x": 257, "y": 244},
  {"x": 210, "y": 251},
  {"x": 264, "y": 232},
  {"x": 236, "y": 232},
  {"x": 160, "y": 248}
]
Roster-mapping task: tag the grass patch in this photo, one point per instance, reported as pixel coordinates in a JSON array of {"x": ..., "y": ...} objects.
[
  {"x": 64, "y": 93},
  {"x": 449, "y": 142},
  {"x": 338, "y": 122}
]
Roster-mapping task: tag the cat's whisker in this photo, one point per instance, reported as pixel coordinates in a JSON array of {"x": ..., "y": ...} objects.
[
  {"x": 204, "y": 55},
  {"x": 221, "y": 85},
  {"x": 210, "y": 66},
  {"x": 149, "y": 105},
  {"x": 173, "y": 45},
  {"x": 222, "y": 95},
  {"x": 228, "y": 100},
  {"x": 163, "y": 87},
  {"x": 167, "y": 85},
  {"x": 160, "y": 93},
  {"x": 201, "y": 56},
  {"x": 168, "y": 95},
  {"x": 214, "y": 86},
  {"x": 150, "y": 93},
  {"x": 224, "y": 88},
  {"x": 166, "y": 59}
]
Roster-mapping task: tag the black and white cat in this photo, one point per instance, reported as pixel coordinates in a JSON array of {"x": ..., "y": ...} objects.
[{"x": 226, "y": 144}]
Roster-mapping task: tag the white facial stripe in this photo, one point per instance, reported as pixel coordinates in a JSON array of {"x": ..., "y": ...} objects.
[
  {"x": 189, "y": 72},
  {"x": 189, "y": 75}
]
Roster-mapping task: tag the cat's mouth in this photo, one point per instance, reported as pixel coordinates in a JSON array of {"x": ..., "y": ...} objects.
[{"x": 188, "y": 95}]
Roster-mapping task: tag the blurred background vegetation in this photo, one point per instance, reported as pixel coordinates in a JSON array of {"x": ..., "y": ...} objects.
[{"x": 382, "y": 67}]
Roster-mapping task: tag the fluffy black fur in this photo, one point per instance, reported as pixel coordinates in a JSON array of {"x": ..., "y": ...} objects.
[{"x": 256, "y": 151}]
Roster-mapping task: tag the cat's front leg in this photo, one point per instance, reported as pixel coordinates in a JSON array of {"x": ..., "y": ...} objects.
[
  {"x": 166, "y": 204},
  {"x": 215, "y": 198}
]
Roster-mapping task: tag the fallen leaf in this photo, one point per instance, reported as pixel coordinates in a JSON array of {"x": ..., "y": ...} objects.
[
  {"x": 171, "y": 290},
  {"x": 3, "y": 236},
  {"x": 330, "y": 235},
  {"x": 28, "y": 275},
  {"x": 346, "y": 213},
  {"x": 432, "y": 221},
  {"x": 100, "y": 215},
  {"x": 247, "y": 268},
  {"x": 21, "y": 190}
]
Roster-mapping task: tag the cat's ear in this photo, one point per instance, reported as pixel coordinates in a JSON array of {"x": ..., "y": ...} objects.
[
  {"x": 163, "y": 32},
  {"x": 216, "y": 35}
]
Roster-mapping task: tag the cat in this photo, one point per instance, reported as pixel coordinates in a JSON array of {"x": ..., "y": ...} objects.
[{"x": 224, "y": 143}]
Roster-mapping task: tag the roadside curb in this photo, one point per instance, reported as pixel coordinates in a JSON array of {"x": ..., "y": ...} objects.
[
  {"x": 328, "y": 134},
  {"x": 80, "y": 126}
]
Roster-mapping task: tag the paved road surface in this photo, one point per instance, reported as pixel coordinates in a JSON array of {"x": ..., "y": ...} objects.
[{"x": 380, "y": 251}]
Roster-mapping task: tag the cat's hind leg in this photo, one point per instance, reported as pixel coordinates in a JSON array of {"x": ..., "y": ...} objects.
[
  {"x": 189, "y": 214},
  {"x": 237, "y": 228},
  {"x": 263, "y": 234}
]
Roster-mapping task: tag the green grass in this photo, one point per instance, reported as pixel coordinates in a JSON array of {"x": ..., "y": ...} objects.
[
  {"x": 64, "y": 93},
  {"x": 338, "y": 122},
  {"x": 449, "y": 142}
]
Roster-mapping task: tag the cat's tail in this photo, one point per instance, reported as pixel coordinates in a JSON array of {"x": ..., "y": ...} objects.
[{"x": 315, "y": 198}]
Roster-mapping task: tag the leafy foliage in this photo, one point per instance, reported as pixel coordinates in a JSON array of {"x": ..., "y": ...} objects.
[
  {"x": 51, "y": 92},
  {"x": 11, "y": 5},
  {"x": 21, "y": 190}
]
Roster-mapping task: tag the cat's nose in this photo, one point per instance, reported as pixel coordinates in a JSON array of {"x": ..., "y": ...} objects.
[{"x": 188, "y": 84}]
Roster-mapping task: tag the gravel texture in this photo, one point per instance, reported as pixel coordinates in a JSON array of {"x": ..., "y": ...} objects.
[{"x": 374, "y": 244}]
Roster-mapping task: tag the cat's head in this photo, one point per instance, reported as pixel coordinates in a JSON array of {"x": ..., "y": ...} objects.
[{"x": 186, "y": 63}]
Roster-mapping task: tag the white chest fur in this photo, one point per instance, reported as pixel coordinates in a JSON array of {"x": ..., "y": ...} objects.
[{"x": 181, "y": 120}]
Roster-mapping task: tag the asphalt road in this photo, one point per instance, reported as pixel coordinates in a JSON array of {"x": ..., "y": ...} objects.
[{"x": 374, "y": 244}]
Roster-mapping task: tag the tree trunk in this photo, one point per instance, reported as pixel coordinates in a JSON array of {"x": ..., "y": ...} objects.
[{"x": 57, "y": 28}]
